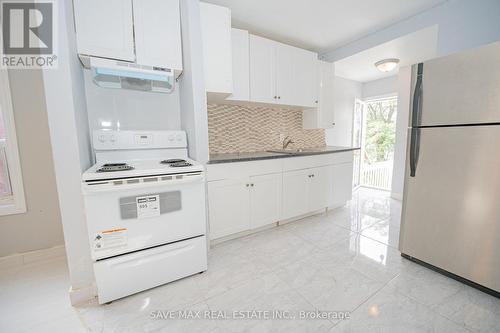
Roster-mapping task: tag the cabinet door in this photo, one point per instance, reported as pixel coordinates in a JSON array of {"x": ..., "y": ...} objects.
[
  {"x": 305, "y": 78},
  {"x": 265, "y": 199},
  {"x": 262, "y": 70},
  {"x": 324, "y": 115},
  {"x": 295, "y": 187},
  {"x": 285, "y": 57},
  {"x": 158, "y": 33},
  {"x": 216, "y": 38},
  {"x": 228, "y": 207},
  {"x": 341, "y": 175},
  {"x": 105, "y": 28},
  {"x": 326, "y": 94},
  {"x": 319, "y": 188},
  {"x": 241, "y": 63}
]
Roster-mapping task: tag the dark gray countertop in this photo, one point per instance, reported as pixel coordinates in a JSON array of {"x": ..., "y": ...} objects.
[{"x": 265, "y": 155}]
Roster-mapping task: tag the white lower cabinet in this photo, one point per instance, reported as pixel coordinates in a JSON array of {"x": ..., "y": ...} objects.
[
  {"x": 240, "y": 205},
  {"x": 305, "y": 191},
  {"x": 245, "y": 196},
  {"x": 228, "y": 207},
  {"x": 265, "y": 200},
  {"x": 295, "y": 196},
  {"x": 341, "y": 184},
  {"x": 319, "y": 188}
]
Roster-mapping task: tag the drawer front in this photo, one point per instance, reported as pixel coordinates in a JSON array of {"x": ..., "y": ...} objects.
[
  {"x": 343, "y": 157},
  {"x": 306, "y": 162},
  {"x": 149, "y": 268},
  {"x": 314, "y": 161},
  {"x": 239, "y": 170}
]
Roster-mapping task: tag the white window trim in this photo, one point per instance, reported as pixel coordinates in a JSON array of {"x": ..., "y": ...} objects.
[{"x": 16, "y": 203}]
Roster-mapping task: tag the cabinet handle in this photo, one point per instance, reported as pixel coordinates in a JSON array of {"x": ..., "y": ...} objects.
[
  {"x": 251, "y": 185},
  {"x": 248, "y": 185},
  {"x": 279, "y": 97},
  {"x": 333, "y": 124},
  {"x": 316, "y": 102},
  {"x": 275, "y": 97}
]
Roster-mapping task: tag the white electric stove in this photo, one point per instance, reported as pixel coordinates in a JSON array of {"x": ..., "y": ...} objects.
[{"x": 145, "y": 207}]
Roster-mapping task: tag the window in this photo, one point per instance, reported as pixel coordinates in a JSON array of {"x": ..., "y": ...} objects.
[{"x": 11, "y": 183}]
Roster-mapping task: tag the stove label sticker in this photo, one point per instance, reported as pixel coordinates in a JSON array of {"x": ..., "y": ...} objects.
[
  {"x": 110, "y": 238},
  {"x": 148, "y": 206}
]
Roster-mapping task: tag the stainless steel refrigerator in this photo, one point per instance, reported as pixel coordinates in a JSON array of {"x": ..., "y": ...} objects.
[{"x": 451, "y": 203}]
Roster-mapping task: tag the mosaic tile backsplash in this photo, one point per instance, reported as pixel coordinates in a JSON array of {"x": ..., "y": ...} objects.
[{"x": 236, "y": 128}]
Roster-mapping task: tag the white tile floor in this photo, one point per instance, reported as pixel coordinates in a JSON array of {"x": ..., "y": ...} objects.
[{"x": 346, "y": 260}]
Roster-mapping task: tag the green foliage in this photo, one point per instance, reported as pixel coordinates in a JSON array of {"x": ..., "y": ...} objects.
[{"x": 380, "y": 130}]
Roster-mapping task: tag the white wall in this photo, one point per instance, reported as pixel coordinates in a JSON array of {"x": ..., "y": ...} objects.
[
  {"x": 385, "y": 87},
  {"x": 129, "y": 109},
  {"x": 65, "y": 100},
  {"x": 193, "y": 98},
  {"x": 40, "y": 227},
  {"x": 463, "y": 24},
  {"x": 345, "y": 93},
  {"x": 404, "y": 91}
]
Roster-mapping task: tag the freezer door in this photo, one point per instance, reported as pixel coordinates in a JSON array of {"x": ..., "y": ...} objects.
[
  {"x": 451, "y": 209},
  {"x": 460, "y": 89}
]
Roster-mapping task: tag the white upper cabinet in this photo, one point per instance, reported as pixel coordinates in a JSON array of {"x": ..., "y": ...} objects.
[
  {"x": 282, "y": 74},
  {"x": 217, "y": 50},
  {"x": 105, "y": 28},
  {"x": 158, "y": 33},
  {"x": 262, "y": 70},
  {"x": 324, "y": 115},
  {"x": 285, "y": 57},
  {"x": 241, "y": 65},
  {"x": 305, "y": 78}
]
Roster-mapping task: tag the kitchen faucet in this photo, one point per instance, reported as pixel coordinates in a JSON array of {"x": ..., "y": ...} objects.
[{"x": 287, "y": 141}]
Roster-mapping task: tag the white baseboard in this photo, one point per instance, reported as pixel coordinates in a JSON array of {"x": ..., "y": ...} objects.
[
  {"x": 217, "y": 241},
  {"x": 82, "y": 295},
  {"x": 20, "y": 259},
  {"x": 397, "y": 196}
]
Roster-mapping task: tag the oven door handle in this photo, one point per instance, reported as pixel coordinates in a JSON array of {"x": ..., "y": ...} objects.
[{"x": 112, "y": 186}]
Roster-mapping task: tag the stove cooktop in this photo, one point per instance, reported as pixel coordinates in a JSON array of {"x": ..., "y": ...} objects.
[
  {"x": 176, "y": 163},
  {"x": 140, "y": 168},
  {"x": 112, "y": 167}
]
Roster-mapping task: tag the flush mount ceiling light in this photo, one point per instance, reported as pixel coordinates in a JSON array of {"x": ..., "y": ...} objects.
[{"x": 387, "y": 65}]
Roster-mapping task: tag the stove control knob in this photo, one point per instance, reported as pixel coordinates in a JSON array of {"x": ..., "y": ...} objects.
[
  {"x": 102, "y": 138},
  {"x": 112, "y": 138},
  {"x": 171, "y": 138}
]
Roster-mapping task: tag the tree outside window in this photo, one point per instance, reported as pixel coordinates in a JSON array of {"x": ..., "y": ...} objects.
[{"x": 380, "y": 130}]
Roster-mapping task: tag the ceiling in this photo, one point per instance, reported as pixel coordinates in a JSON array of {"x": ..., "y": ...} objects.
[
  {"x": 320, "y": 25},
  {"x": 409, "y": 49}
]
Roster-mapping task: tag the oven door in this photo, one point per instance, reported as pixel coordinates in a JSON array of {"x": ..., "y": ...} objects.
[{"x": 137, "y": 213}]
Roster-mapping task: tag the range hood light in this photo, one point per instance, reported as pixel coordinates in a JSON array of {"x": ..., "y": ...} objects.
[{"x": 387, "y": 65}]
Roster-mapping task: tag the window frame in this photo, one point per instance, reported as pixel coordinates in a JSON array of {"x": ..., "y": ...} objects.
[{"x": 15, "y": 203}]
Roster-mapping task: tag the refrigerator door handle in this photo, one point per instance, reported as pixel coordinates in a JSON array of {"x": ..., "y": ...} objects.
[
  {"x": 416, "y": 118},
  {"x": 414, "y": 150}
]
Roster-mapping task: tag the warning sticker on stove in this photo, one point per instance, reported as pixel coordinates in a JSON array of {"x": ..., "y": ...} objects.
[
  {"x": 110, "y": 238},
  {"x": 148, "y": 206}
]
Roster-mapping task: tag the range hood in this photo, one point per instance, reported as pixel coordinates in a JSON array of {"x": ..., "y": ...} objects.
[{"x": 109, "y": 73}]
